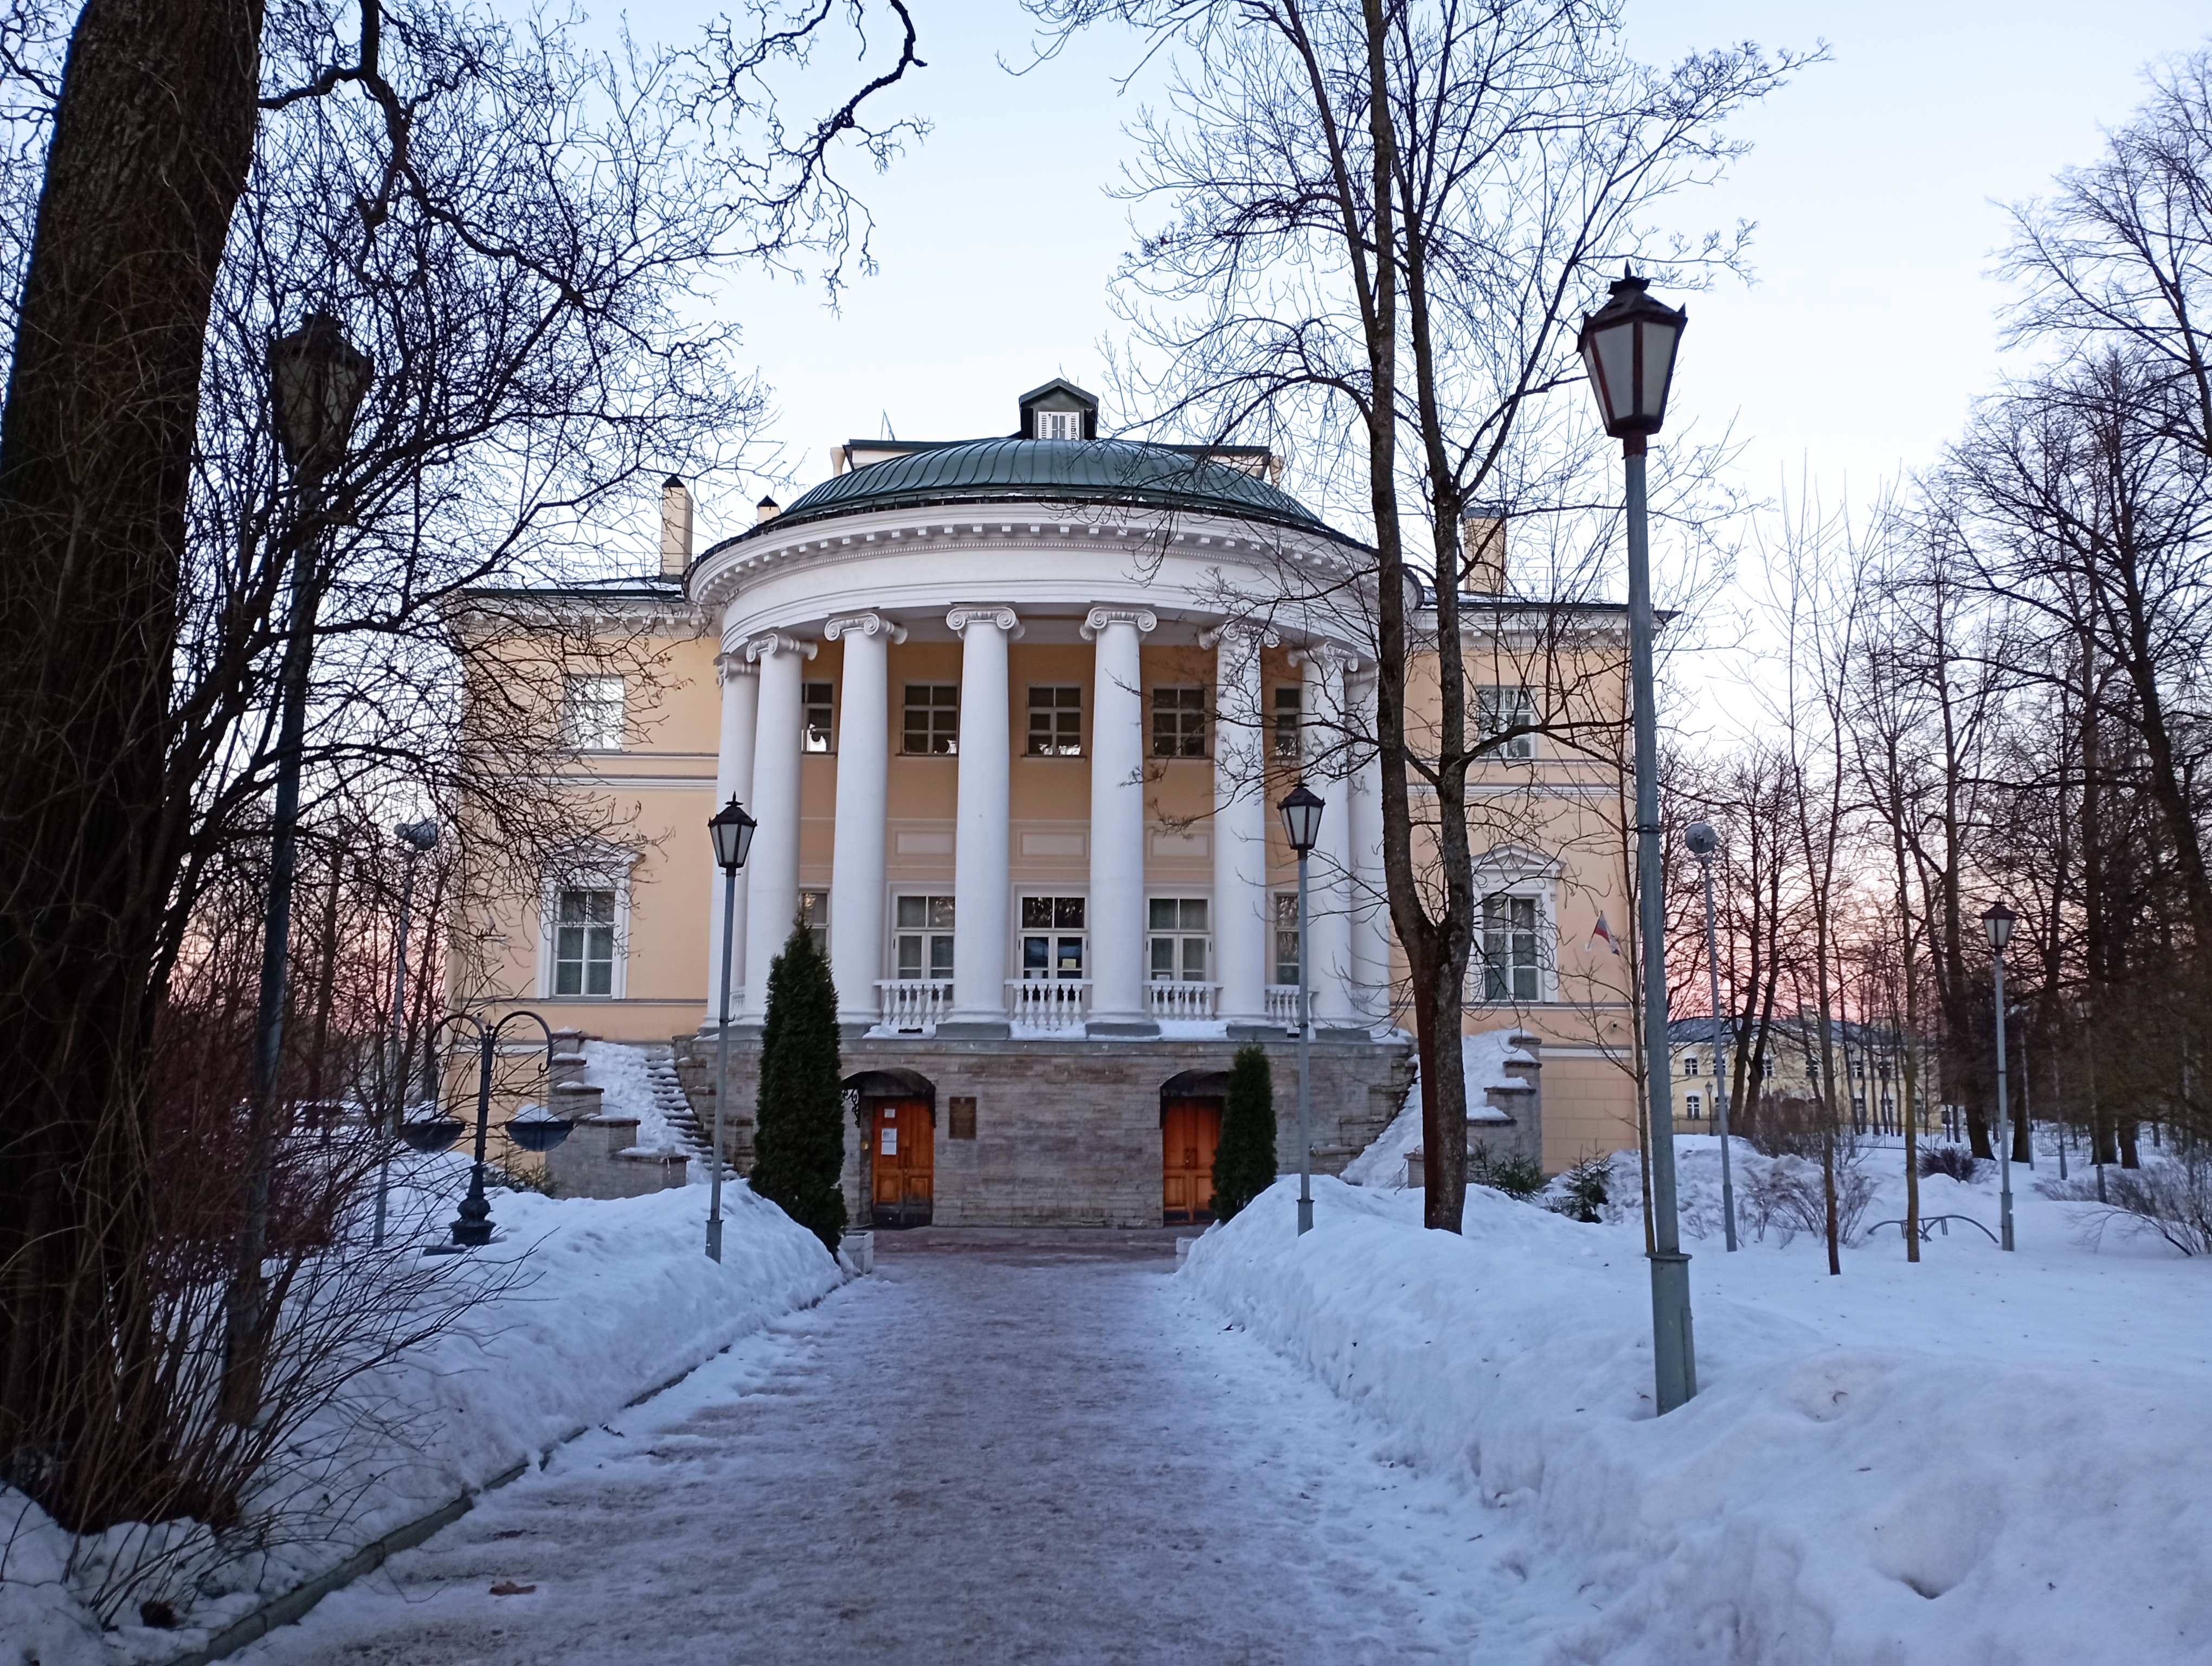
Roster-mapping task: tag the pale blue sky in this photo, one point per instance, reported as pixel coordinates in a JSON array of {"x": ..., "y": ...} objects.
[{"x": 1873, "y": 182}]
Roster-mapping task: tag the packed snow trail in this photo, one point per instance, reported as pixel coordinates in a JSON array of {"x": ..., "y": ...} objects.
[{"x": 1004, "y": 1446}]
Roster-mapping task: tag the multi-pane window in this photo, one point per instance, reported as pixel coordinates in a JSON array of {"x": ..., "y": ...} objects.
[
  {"x": 1179, "y": 722},
  {"x": 820, "y": 708},
  {"x": 1509, "y": 970},
  {"x": 592, "y": 714},
  {"x": 1055, "y": 721},
  {"x": 1689, "y": 1064},
  {"x": 1059, "y": 424},
  {"x": 922, "y": 937},
  {"x": 1052, "y": 937},
  {"x": 1286, "y": 937},
  {"x": 1693, "y": 1107},
  {"x": 1178, "y": 940},
  {"x": 583, "y": 943},
  {"x": 933, "y": 719},
  {"x": 1498, "y": 710},
  {"x": 814, "y": 914},
  {"x": 1289, "y": 707}
]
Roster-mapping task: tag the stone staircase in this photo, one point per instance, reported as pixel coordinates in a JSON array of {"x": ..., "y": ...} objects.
[{"x": 670, "y": 1099}]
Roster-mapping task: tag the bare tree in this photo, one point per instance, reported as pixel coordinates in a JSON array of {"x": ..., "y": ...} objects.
[
  {"x": 507, "y": 225},
  {"x": 1378, "y": 220}
]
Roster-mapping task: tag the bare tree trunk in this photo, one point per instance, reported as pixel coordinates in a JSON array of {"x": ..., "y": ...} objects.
[{"x": 152, "y": 139}]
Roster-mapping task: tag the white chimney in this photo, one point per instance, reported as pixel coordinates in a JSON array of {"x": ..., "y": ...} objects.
[
  {"x": 1483, "y": 536},
  {"x": 765, "y": 511},
  {"x": 675, "y": 528}
]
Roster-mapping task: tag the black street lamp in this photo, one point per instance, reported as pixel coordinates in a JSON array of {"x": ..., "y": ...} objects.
[
  {"x": 316, "y": 379},
  {"x": 471, "y": 1228},
  {"x": 1704, "y": 844},
  {"x": 1998, "y": 924},
  {"x": 1628, "y": 346},
  {"x": 731, "y": 832},
  {"x": 1301, "y": 811}
]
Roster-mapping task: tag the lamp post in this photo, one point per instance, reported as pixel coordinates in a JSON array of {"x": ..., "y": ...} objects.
[
  {"x": 2083, "y": 1010},
  {"x": 1704, "y": 843},
  {"x": 1301, "y": 810},
  {"x": 731, "y": 831},
  {"x": 420, "y": 838},
  {"x": 1628, "y": 347},
  {"x": 1998, "y": 924},
  {"x": 317, "y": 379},
  {"x": 471, "y": 1228}
]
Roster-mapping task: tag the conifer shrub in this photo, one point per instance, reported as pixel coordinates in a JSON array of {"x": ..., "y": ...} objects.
[
  {"x": 799, "y": 1140},
  {"x": 1583, "y": 1193},
  {"x": 1513, "y": 1174},
  {"x": 1244, "y": 1160}
]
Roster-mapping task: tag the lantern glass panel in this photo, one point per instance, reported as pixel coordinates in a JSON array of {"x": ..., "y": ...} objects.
[
  {"x": 1613, "y": 359},
  {"x": 1659, "y": 340}
]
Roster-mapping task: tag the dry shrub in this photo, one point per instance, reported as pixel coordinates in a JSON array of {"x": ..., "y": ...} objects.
[{"x": 2170, "y": 1196}]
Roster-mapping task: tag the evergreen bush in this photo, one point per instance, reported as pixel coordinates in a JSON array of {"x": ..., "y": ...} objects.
[
  {"x": 1582, "y": 1192},
  {"x": 1513, "y": 1174},
  {"x": 1244, "y": 1161},
  {"x": 799, "y": 1140}
]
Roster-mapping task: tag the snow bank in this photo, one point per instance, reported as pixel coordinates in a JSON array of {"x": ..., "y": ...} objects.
[
  {"x": 612, "y": 1299},
  {"x": 1484, "y": 1058},
  {"x": 1822, "y": 1499}
]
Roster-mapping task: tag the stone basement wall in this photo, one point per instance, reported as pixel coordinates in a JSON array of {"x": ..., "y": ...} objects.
[{"x": 1068, "y": 1132}]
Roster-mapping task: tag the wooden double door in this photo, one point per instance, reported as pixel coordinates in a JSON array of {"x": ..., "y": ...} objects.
[
  {"x": 1189, "y": 1131},
  {"x": 902, "y": 1155}
]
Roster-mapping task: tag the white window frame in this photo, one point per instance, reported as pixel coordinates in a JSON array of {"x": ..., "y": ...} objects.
[
  {"x": 1054, "y": 746},
  {"x": 1491, "y": 717},
  {"x": 1058, "y": 424},
  {"x": 1180, "y": 935},
  {"x": 1281, "y": 903},
  {"x": 1518, "y": 871},
  {"x": 605, "y": 867},
  {"x": 1054, "y": 935},
  {"x": 925, "y": 932},
  {"x": 822, "y": 742},
  {"x": 1693, "y": 1107},
  {"x": 580, "y": 693}
]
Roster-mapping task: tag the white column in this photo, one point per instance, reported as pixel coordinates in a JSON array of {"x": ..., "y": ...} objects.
[
  {"x": 864, "y": 759},
  {"x": 774, "y": 864},
  {"x": 1116, "y": 916},
  {"x": 982, "y": 864},
  {"x": 1329, "y": 938},
  {"x": 1370, "y": 912},
  {"x": 1241, "y": 913},
  {"x": 733, "y": 779}
]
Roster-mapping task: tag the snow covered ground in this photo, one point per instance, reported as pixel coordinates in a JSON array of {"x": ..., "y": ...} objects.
[
  {"x": 1985, "y": 1457},
  {"x": 1374, "y": 1443},
  {"x": 611, "y": 1300}
]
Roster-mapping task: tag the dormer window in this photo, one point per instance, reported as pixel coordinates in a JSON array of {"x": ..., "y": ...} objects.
[{"x": 1060, "y": 425}]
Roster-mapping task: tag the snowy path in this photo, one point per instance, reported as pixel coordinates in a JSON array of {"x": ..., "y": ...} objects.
[{"x": 1002, "y": 1447}]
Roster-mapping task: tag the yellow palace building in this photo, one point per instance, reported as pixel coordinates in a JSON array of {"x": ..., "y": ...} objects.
[{"x": 1012, "y": 714}]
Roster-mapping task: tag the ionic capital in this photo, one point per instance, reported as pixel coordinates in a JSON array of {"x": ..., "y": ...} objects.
[
  {"x": 865, "y": 624},
  {"x": 1239, "y": 638},
  {"x": 1327, "y": 658},
  {"x": 775, "y": 641},
  {"x": 730, "y": 666},
  {"x": 990, "y": 613},
  {"x": 1099, "y": 618}
]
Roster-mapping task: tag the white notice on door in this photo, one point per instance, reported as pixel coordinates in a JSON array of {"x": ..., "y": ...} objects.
[{"x": 891, "y": 1142}]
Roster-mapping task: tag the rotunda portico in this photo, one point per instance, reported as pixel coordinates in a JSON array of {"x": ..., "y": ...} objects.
[{"x": 1052, "y": 715}]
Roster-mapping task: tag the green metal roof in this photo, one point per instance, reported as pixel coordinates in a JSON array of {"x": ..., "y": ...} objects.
[{"x": 1090, "y": 471}]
